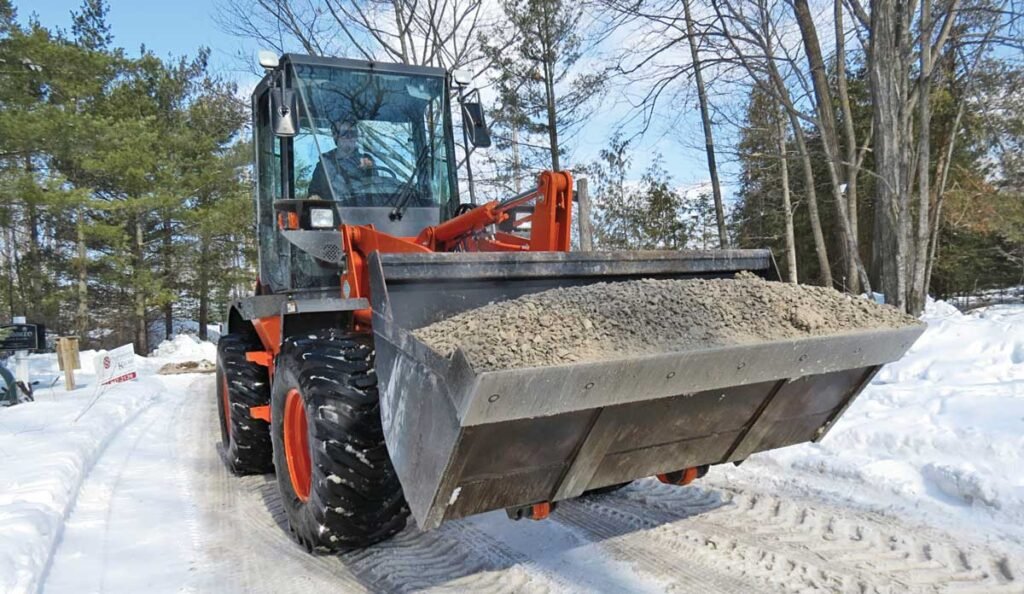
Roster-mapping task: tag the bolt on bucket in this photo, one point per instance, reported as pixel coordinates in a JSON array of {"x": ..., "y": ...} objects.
[{"x": 465, "y": 441}]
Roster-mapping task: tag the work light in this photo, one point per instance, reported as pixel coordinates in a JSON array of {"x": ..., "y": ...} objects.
[{"x": 321, "y": 218}]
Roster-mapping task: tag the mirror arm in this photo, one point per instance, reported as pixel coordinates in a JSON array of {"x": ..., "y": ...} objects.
[{"x": 465, "y": 144}]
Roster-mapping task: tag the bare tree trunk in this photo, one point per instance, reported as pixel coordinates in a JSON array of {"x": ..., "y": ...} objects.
[
  {"x": 204, "y": 286},
  {"x": 32, "y": 264},
  {"x": 12, "y": 264},
  {"x": 549, "y": 90},
  {"x": 778, "y": 87},
  {"x": 168, "y": 241},
  {"x": 586, "y": 228},
  {"x": 82, "y": 316},
  {"x": 946, "y": 158},
  {"x": 827, "y": 124},
  {"x": 885, "y": 67},
  {"x": 705, "y": 117},
  {"x": 517, "y": 166},
  {"x": 548, "y": 64},
  {"x": 942, "y": 174},
  {"x": 402, "y": 31},
  {"x": 141, "y": 334},
  {"x": 852, "y": 164},
  {"x": 820, "y": 248},
  {"x": 31, "y": 273},
  {"x": 787, "y": 206},
  {"x": 919, "y": 291}
]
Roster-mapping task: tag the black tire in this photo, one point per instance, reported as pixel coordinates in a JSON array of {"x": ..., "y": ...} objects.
[
  {"x": 241, "y": 385},
  {"x": 354, "y": 498}
]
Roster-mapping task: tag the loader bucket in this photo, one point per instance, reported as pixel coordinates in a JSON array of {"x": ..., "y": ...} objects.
[{"x": 464, "y": 442}]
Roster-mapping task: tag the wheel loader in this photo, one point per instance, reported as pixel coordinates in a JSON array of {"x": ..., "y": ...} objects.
[{"x": 363, "y": 239}]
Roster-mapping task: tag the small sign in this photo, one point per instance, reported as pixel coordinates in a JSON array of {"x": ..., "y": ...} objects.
[
  {"x": 22, "y": 337},
  {"x": 67, "y": 353},
  {"x": 116, "y": 366},
  {"x": 68, "y": 360}
]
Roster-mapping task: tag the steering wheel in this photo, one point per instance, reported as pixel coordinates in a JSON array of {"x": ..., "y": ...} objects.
[{"x": 378, "y": 170}]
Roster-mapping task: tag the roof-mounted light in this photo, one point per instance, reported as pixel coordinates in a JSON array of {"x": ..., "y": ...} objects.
[
  {"x": 462, "y": 77},
  {"x": 268, "y": 59}
]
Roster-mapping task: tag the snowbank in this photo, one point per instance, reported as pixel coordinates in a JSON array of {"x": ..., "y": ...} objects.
[
  {"x": 185, "y": 347},
  {"x": 158, "y": 333},
  {"x": 49, "y": 446},
  {"x": 943, "y": 428}
]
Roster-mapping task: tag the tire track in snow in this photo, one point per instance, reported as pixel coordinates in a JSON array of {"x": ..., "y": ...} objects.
[
  {"x": 247, "y": 509},
  {"x": 732, "y": 538},
  {"x": 89, "y": 464},
  {"x": 106, "y": 528},
  {"x": 477, "y": 554},
  {"x": 795, "y": 544},
  {"x": 698, "y": 539},
  {"x": 628, "y": 541},
  {"x": 243, "y": 547}
]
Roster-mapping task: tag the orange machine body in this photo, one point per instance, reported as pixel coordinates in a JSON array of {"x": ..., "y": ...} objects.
[{"x": 550, "y": 230}]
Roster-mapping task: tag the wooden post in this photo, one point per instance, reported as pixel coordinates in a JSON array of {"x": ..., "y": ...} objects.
[
  {"x": 67, "y": 359},
  {"x": 586, "y": 229}
]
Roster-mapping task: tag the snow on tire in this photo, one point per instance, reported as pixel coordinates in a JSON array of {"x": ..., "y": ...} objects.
[
  {"x": 240, "y": 386},
  {"x": 335, "y": 477}
]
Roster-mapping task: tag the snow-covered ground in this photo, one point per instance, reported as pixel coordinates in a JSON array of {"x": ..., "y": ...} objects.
[
  {"x": 920, "y": 486},
  {"x": 47, "y": 448},
  {"x": 1011, "y": 295},
  {"x": 942, "y": 430},
  {"x": 158, "y": 332}
]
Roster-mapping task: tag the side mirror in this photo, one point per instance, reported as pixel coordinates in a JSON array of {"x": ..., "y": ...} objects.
[
  {"x": 284, "y": 110},
  {"x": 475, "y": 124}
]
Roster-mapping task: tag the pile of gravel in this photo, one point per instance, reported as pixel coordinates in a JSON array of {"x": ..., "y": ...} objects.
[{"x": 609, "y": 320}]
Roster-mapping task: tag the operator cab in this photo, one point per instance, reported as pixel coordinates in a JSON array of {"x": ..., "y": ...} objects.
[{"x": 346, "y": 141}]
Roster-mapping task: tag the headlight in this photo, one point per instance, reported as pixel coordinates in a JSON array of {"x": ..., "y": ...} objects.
[{"x": 321, "y": 218}]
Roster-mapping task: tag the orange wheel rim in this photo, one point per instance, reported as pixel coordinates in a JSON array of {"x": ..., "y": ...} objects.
[
  {"x": 296, "y": 444},
  {"x": 225, "y": 403}
]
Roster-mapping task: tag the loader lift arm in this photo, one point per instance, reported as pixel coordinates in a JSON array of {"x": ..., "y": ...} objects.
[
  {"x": 549, "y": 232},
  {"x": 550, "y": 229}
]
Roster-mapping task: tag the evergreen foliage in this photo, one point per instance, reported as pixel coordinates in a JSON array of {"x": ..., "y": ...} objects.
[
  {"x": 651, "y": 214},
  {"x": 543, "y": 93},
  {"x": 122, "y": 183}
]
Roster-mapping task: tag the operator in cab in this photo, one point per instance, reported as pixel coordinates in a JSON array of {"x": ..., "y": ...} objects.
[{"x": 342, "y": 170}]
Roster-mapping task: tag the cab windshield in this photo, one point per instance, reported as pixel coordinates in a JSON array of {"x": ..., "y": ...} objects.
[{"x": 370, "y": 139}]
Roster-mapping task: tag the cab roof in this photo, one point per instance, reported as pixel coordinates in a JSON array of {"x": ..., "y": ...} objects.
[{"x": 350, "y": 64}]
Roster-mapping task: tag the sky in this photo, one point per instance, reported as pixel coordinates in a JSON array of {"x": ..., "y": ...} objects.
[
  {"x": 173, "y": 28},
  {"x": 182, "y": 27}
]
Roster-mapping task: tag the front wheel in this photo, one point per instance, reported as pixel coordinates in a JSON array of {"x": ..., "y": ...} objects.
[{"x": 336, "y": 480}]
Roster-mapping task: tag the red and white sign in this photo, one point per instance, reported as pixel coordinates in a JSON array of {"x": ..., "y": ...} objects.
[{"x": 116, "y": 366}]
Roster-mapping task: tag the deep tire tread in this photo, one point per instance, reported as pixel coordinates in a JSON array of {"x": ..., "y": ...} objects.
[
  {"x": 248, "y": 448},
  {"x": 355, "y": 497}
]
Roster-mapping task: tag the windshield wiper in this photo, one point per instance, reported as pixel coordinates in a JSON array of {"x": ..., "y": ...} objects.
[
  {"x": 404, "y": 194},
  {"x": 406, "y": 191}
]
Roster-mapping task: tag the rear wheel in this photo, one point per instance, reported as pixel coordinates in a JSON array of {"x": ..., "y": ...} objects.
[
  {"x": 336, "y": 480},
  {"x": 240, "y": 386}
]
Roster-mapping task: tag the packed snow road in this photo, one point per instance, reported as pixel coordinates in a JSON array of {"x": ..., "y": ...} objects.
[
  {"x": 919, "y": 487},
  {"x": 159, "y": 512}
]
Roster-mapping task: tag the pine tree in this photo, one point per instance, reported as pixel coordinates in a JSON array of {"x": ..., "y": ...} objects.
[
  {"x": 542, "y": 98},
  {"x": 646, "y": 215},
  {"x": 103, "y": 159}
]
